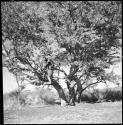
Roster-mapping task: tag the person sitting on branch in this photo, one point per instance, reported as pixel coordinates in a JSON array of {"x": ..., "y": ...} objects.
[{"x": 49, "y": 69}]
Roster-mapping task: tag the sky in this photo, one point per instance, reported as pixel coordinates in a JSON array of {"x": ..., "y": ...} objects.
[{"x": 9, "y": 81}]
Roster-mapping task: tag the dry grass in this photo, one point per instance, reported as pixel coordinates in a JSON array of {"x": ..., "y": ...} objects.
[
  {"x": 106, "y": 112},
  {"x": 15, "y": 99},
  {"x": 10, "y": 100}
]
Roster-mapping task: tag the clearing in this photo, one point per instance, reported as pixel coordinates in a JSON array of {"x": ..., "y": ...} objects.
[{"x": 106, "y": 112}]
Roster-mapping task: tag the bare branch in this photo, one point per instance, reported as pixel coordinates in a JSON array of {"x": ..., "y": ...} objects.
[
  {"x": 47, "y": 84},
  {"x": 114, "y": 56},
  {"x": 60, "y": 71},
  {"x": 81, "y": 75},
  {"x": 90, "y": 85},
  {"x": 39, "y": 75}
]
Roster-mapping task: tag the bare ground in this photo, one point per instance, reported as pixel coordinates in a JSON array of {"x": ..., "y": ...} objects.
[{"x": 110, "y": 112}]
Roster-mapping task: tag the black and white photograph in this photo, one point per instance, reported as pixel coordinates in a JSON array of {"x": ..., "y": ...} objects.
[{"x": 62, "y": 62}]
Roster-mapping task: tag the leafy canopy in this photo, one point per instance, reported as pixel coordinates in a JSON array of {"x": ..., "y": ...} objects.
[{"x": 84, "y": 35}]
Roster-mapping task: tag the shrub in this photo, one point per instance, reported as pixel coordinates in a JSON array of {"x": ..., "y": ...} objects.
[
  {"x": 11, "y": 100},
  {"x": 48, "y": 96},
  {"x": 112, "y": 94},
  {"x": 88, "y": 96},
  {"x": 15, "y": 99}
]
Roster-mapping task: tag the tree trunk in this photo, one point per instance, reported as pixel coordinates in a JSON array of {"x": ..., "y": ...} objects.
[
  {"x": 72, "y": 94},
  {"x": 58, "y": 88},
  {"x": 79, "y": 88},
  {"x": 60, "y": 92}
]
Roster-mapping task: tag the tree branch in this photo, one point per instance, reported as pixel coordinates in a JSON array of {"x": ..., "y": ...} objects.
[
  {"x": 90, "y": 85},
  {"x": 47, "y": 84},
  {"x": 39, "y": 75},
  {"x": 81, "y": 75},
  {"x": 60, "y": 71},
  {"x": 114, "y": 56}
]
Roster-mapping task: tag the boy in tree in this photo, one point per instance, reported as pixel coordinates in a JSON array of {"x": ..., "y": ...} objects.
[{"x": 49, "y": 69}]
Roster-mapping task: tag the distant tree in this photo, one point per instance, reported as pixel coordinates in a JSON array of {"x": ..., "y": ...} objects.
[{"x": 82, "y": 35}]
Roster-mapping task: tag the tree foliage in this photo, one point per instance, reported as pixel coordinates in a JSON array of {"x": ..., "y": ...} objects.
[{"x": 89, "y": 31}]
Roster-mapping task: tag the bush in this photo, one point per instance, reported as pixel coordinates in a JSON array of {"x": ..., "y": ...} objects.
[
  {"x": 48, "y": 96},
  {"x": 41, "y": 97},
  {"x": 88, "y": 97},
  {"x": 112, "y": 94},
  {"x": 15, "y": 99},
  {"x": 11, "y": 100}
]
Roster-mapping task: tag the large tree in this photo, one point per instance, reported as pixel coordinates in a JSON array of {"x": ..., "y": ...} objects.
[
  {"x": 83, "y": 35},
  {"x": 91, "y": 34}
]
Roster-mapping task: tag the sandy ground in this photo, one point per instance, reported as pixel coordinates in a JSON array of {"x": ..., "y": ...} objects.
[{"x": 110, "y": 112}]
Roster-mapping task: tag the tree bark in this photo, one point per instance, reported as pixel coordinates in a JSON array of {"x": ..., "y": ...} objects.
[
  {"x": 79, "y": 89},
  {"x": 59, "y": 90}
]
